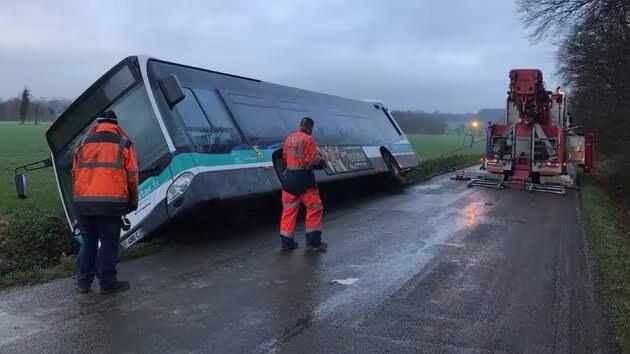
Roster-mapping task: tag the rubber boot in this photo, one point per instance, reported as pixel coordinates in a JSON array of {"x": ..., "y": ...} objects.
[
  {"x": 288, "y": 243},
  {"x": 314, "y": 242}
]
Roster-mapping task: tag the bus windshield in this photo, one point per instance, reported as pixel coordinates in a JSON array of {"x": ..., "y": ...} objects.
[{"x": 137, "y": 118}]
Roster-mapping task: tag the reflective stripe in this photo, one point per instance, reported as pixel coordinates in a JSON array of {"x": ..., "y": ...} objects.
[
  {"x": 101, "y": 199},
  {"x": 103, "y": 137},
  {"x": 313, "y": 229},
  {"x": 314, "y": 206},
  {"x": 89, "y": 165},
  {"x": 117, "y": 165},
  {"x": 294, "y": 153},
  {"x": 291, "y": 205},
  {"x": 132, "y": 174},
  {"x": 298, "y": 146},
  {"x": 298, "y": 168},
  {"x": 285, "y": 234}
]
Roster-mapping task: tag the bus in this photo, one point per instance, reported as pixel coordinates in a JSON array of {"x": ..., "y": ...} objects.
[{"x": 202, "y": 136}]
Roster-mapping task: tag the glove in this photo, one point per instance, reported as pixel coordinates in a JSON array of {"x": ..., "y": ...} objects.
[
  {"x": 321, "y": 165},
  {"x": 131, "y": 207}
]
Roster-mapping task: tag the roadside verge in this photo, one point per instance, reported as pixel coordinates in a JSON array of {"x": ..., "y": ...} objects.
[{"x": 609, "y": 242}]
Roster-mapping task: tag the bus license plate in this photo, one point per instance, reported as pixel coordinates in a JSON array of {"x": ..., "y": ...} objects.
[{"x": 126, "y": 243}]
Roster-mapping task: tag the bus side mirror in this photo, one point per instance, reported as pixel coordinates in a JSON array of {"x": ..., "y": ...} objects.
[
  {"x": 172, "y": 90},
  {"x": 21, "y": 186}
]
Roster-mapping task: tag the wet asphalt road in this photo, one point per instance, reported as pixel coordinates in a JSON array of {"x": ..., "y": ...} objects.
[{"x": 438, "y": 267}]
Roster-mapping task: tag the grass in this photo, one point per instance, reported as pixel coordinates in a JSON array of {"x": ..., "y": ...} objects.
[
  {"x": 432, "y": 146},
  {"x": 66, "y": 267},
  {"x": 19, "y": 145},
  {"x": 610, "y": 247},
  {"x": 34, "y": 231},
  {"x": 434, "y": 151}
]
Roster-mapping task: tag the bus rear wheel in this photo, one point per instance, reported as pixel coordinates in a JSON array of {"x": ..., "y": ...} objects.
[{"x": 394, "y": 176}]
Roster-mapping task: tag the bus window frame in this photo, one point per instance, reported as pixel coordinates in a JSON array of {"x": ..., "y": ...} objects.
[
  {"x": 98, "y": 85},
  {"x": 227, "y": 109},
  {"x": 187, "y": 129}
]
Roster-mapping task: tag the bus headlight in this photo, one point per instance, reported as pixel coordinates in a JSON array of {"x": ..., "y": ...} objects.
[{"x": 179, "y": 186}]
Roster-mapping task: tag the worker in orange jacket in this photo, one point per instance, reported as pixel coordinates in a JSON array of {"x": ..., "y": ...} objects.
[
  {"x": 299, "y": 186},
  {"x": 105, "y": 187}
]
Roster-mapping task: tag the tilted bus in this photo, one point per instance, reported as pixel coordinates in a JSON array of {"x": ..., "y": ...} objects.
[{"x": 202, "y": 135}]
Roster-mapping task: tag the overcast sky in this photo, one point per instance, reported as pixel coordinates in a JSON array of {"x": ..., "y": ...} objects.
[{"x": 451, "y": 56}]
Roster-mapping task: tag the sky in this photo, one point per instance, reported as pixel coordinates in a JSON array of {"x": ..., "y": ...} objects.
[{"x": 449, "y": 55}]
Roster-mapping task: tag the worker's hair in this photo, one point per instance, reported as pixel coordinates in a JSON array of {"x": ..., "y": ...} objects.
[{"x": 307, "y": 122}]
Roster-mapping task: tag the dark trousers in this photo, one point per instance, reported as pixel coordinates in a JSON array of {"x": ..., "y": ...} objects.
[{"x": 93, "y": 260}]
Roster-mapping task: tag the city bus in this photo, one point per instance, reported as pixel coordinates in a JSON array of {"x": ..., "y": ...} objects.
[{"x": 203, "y": 136}]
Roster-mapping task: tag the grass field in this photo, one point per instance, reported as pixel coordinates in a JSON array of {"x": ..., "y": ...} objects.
[
  {"x": 19, "y": 145},
  {"x": 431, "y": 146}
]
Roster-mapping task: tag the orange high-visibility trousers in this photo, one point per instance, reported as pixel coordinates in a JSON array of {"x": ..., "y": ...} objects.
[{"x": 291, "y": 206}]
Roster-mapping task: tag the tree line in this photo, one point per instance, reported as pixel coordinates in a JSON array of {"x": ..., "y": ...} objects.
[
  {"x": 437, "y": 123},
  {"x": 593, "y": 58},
  {"x": 26, "y": 108}
]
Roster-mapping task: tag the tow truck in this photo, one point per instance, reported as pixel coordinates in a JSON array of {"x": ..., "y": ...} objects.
[{"x": 537, "y": 148}]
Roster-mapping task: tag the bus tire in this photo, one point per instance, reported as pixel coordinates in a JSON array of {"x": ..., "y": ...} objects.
[{"x": 394, "y": 175}]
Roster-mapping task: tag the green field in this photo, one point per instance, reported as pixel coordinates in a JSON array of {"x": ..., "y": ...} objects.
[
  {"x": 432, "y": 146},
  {"x": 33, "y": 232},
  {"x": 19, "y": 145}
]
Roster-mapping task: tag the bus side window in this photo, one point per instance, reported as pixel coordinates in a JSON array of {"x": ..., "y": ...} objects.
[
  {"x": 390, "y": 118},
  {"x": 191, "y": 113},
  {"x": 293, "y": 112},
  {"x": 197, "y": 125},
  {"x": 257, "y": 117},
  {"x": 223, "y": 126}
]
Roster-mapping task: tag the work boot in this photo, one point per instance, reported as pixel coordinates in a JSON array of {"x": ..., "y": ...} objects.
[
  {"x": 314, "y": 242},
  {"x": 288, "y": 243},
  {"x": 321, "y": 247},
  {"x": 118, "y": 288},
  {"x": 81, "y": 290}
]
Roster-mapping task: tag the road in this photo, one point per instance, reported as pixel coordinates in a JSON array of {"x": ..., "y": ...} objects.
[{"x": 434, "y": 267}]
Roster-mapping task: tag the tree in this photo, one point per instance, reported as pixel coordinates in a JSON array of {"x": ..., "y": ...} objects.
[
  {"x": 51, "y": 112},
  {"x": 25, "y": 104}
]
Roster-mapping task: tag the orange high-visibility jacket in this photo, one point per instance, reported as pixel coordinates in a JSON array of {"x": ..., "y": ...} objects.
[
  {"x": 300, "y": 154},
  {"x": 105, "y": 172}
]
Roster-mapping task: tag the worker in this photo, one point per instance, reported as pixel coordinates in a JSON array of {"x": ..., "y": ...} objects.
[
  {"x": 105, "y": 187},
  {"x": 299, "y": 186}
]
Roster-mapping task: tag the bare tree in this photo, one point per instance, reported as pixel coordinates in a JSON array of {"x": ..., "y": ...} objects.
[
  {"x": 51, "y": 112},
  {"x": 557, "y": 18},
  {"x": 36, "y": 108},
  {"x": 25, "y": 104}
]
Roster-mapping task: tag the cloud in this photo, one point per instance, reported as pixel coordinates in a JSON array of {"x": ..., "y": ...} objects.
[{"x": 446, "y": 55}]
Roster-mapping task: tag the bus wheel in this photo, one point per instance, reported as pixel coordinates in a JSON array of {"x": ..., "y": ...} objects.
[{"x": 394, "y": 176}]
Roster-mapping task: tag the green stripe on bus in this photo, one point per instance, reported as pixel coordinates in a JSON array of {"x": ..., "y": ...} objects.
[{"x": 186, "y": 161}]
